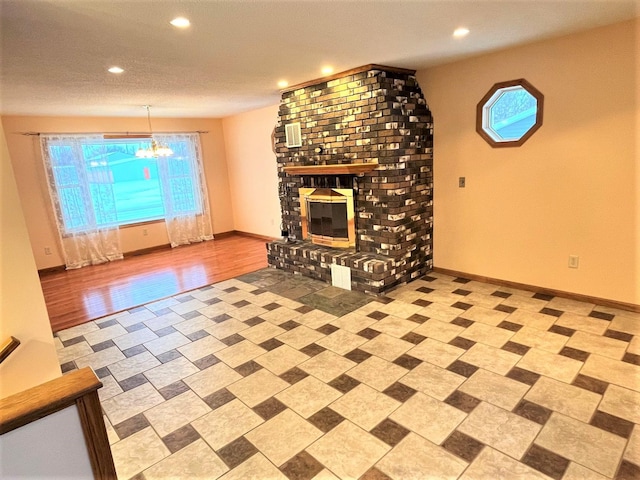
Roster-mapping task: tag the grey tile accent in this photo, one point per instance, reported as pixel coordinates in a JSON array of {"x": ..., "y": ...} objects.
[
  {"x": 524, "y": 376},
  {"x": 462, "y": 305},
  {"x": 294, "y": 375},
  {"x": 325, "y": 419},
  {"x": 312, "y": 349},
  {"x": 173, "y": 390},
  {"x": 236, "y": 452},
  {"x": 344, "y": 383},
  {"x": 407, "y": 361},
  {"x": 301, "y": 467},
  {"x": 133, "y": 351},
  {"x": 505, "y": 308},
  {"x": 463, "y": 446},
  {"x": 219, "y": 398},
  {"x": 400, "y": 392},
  {"x": 180, "y": 438},
  {"x": 197, "y": 335},
  {"x": 591, "y": 384},
  {"x": 462, "y": 401},
  {"x": 133, "y": 382},
  {"x": 574, "y": 353},
  {"x": 500, "y": 294},
  {"x": 462, "y": 368},
  {"x": 269, "y": 408},
  {"x": 625, "y": 337},
  {"x": 390, "y": 432},
  {"x": 108, "y": 323},
  {"x": 602, "y": 315},
  {"x": 168, "y": 356},
  {"x": 138, "y": 326},
  {"x": 206, "y": 362},
  {"x": 546, "y": 462},
  {"x": 532, "y": 411},
  {"x": 131, "y": 426},
  {"x": 611, "y": 423},
  {"x": 271, "y": 344},
  {"x": 248, "y": 368},
  {"x": 357, "y": 355},
  {"x": 103, "y": 345}
]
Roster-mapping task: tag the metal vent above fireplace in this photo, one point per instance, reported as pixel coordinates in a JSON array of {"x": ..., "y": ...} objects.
[{"x": 293, "y": 135}]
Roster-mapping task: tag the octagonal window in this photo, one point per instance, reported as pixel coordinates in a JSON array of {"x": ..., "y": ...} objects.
[{"x": 509, "y": 113}]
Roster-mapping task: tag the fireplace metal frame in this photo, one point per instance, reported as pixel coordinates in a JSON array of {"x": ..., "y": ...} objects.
[{"x": 328, "y": 195}]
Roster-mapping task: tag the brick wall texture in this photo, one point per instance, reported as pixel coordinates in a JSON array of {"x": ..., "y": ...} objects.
[{"x": 374, "y": 115}]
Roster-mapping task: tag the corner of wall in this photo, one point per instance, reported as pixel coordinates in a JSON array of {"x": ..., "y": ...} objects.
[{"x": 22, "y": 308}]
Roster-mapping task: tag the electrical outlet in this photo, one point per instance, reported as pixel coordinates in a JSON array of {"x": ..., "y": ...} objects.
[
  {"x": 461, "y": 182},
  {"x": 574, "y": 260},
  {"x": 145, "y": 232},
  {"x": 47, "y": 250}
]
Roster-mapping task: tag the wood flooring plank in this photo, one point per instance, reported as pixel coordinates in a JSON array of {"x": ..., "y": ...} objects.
[{"x": 77, "y": 296}]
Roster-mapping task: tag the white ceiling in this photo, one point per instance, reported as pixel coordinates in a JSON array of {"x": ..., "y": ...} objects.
[{"x": 55, "y": 53}]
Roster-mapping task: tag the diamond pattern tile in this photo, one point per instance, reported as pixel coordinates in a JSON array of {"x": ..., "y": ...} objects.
[{"x": 443, "y": 378}]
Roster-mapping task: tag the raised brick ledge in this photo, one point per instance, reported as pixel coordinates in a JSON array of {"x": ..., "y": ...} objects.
[{"x": 369, "y": 273}]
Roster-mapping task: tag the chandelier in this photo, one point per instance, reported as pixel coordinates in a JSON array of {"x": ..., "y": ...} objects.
[{"x": 156, "y": 149}]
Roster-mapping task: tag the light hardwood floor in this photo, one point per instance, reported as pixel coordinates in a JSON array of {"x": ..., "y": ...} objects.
[{"x": 77, "y": 296}]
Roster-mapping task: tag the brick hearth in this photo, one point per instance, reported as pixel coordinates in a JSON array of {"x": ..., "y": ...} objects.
[{"x": 369, "y": 115}]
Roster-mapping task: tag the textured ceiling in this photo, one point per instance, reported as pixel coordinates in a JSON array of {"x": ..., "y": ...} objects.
[{"x": 55, "y": 53}]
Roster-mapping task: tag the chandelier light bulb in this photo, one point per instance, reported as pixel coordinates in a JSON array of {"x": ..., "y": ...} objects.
[{"x": 157, "y": 149}]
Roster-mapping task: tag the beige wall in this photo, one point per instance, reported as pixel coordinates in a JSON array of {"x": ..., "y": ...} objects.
[
  {"x": 572, "y": 188},
  {"x": 253, "y": 174},
  {"x": 22, "y": 309},
  {"x": 29, "y": 172}
]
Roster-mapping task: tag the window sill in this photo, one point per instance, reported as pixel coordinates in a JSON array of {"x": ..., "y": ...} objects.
[{"x": 141, "y": 224}]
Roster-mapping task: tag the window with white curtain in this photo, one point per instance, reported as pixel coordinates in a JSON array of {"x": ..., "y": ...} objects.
[
  {"x": 103, "y": 178},
  {"x": 98, "y": 184}
]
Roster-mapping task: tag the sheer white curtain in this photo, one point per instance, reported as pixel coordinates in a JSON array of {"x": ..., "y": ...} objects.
[
  {"x": 184, "y": 190},
  {"x": 80, "y": 187}
]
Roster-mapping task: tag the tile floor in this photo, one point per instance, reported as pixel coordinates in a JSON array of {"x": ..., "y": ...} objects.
[{"x": 272, "y": 375}]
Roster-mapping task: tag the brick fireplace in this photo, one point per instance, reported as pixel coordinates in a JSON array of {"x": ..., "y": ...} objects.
[{"x": 367, "y": 131}]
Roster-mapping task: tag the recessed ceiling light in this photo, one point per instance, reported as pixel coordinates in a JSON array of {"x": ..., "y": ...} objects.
[
  {"x": 283, "y": 84},
  {"x": 327, "y": 70},
  {"x": 180, "y": 22},
  {"x": 115, "y": 70},
  {"x": 460, "y": 32}
]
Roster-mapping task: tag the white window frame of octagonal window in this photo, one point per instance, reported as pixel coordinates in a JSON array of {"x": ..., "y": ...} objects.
[{"x": 483, "y": 113}]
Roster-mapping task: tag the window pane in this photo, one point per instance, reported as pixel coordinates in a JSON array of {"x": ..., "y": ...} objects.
[
  {"x": 513, "y": 113},
  {"x": 105, "y": 182},
  {"x": 184, "y": 200},
  {"x": 136, "y": 188},
  {"x": 74, "y": 212},
  {"x": 182, "y": 179},
  {"x": 103, "y": 204},
  {"x": 134, "y": 181}
]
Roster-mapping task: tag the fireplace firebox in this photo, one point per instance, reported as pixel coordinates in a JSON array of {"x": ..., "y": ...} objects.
[{"x": 327, "y": 216}]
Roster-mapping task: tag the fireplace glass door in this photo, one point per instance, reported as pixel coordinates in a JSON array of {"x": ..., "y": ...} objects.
[
  {"x": 328, "y": 216},
  {"x": 328, "y": 219}
]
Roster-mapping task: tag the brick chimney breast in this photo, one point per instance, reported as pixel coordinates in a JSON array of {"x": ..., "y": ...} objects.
[{"x": 372, "y": 130}]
